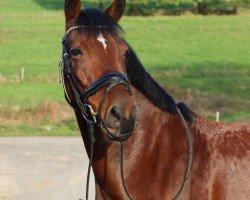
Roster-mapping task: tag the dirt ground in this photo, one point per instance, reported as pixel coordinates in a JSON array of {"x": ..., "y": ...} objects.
[{"x": 43, "y": 168}]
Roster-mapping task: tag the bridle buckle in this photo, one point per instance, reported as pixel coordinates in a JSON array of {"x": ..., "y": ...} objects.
[{"x": 91, "y": 113}]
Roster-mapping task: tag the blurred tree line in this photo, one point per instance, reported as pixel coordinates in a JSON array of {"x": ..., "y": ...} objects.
[{"x": 178, "y": 7}]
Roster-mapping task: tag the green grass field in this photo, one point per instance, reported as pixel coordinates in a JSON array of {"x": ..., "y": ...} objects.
[{"x": 201, "y": 60}]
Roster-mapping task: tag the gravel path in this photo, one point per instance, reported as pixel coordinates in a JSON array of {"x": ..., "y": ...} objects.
[{"x": 43, "y": 168}]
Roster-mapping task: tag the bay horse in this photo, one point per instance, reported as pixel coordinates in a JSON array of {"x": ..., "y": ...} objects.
[{"x": 115, "y": 99}]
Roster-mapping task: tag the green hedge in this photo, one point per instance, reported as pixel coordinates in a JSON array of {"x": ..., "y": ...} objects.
[
  {"x": 162, "y": 7},
  {"x": 215, "y": 7},
  {"x": 178, "y": 7}
]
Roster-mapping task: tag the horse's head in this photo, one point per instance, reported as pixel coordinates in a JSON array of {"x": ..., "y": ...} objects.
[{"x": 94, "y": 66}]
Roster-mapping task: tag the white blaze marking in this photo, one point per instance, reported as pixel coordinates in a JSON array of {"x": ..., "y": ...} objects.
[{"x": 101, "y": 39}]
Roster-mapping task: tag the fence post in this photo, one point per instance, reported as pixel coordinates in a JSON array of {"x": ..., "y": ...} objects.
[
  {"x": 22, "y": 73},
  {"x": 217, "y": 116}
]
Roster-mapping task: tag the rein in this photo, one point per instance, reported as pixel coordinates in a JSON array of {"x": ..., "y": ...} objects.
[{"x": 93, "y": 118}]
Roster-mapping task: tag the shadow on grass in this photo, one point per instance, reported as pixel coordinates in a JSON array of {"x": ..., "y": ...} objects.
[
  {"x": 207, "y": 69},
  {"x": 51, "y": 4},
  {"x": 59, "y": 4}
]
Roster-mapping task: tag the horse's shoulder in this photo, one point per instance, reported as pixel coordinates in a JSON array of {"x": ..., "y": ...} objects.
[
  {"x": 233, "y": 140},
  {"x": 225, "y": 139}
]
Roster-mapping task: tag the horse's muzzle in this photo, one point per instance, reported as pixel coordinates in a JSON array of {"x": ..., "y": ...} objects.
[{"x": 121, "y": 120}]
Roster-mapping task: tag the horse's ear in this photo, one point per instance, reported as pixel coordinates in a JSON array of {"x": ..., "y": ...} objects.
[
  {"x": 116, "y": 9},
  {"x": 72, "y": 9}
]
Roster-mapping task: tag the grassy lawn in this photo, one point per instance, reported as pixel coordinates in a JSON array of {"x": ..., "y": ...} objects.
[{"x": 201, "y": 60}]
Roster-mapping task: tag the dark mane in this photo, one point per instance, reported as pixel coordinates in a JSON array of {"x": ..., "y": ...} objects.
[
  {"x": 97, "y": 21},
  {"x": 141, "y": 80},
  {"x": 146, "y": 84}
]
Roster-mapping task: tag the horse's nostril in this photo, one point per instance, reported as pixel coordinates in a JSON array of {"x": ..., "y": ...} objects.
[
  {"x": 117, "y": 112},
  {"x": 114, "y": 116}
]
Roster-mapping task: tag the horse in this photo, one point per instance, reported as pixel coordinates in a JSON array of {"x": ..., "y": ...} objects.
[{"x": 142, "y": 144}]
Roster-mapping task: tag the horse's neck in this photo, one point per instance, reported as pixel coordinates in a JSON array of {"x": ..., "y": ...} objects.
[{"x": 158, "y": 144}]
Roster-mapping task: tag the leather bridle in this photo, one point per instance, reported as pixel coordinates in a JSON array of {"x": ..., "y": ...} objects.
[
  {"x": 81, "y": 103},
  {"x": 92, "y": 117}
]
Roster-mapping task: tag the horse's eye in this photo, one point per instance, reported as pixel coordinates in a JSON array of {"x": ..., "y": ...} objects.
[{"x": 75, "y": 52}]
